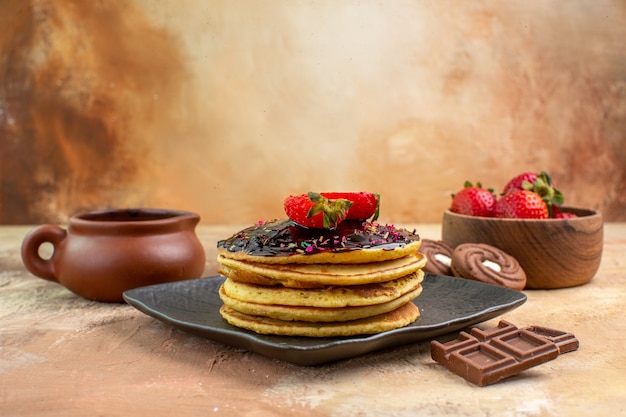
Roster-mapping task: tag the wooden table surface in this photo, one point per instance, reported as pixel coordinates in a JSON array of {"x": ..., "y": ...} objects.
[{"x": 64, "y": 355}]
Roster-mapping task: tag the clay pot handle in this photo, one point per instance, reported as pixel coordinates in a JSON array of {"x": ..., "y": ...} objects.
[{"x": 43, "y": 268}]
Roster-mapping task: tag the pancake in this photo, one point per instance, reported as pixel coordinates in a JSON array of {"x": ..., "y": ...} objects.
[
  {"x": 327, "y": 297},
  {"x": 317, "y": 314},
  {"x": 400, "y": 317},
  {"x": 284, "y": 242},
  {"x": 284, "y": 279},
  {"x": 252, "y": 278},
  {"x": 319, "y": 275}
]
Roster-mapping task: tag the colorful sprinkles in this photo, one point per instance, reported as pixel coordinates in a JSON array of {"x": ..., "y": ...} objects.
[{"x": 284, "y": 237}]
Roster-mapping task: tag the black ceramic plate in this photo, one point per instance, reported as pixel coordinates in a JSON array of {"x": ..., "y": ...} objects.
[{"x": 446, "y": 304}]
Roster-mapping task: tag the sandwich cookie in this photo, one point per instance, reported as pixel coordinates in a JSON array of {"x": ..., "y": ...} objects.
[
  {"x": 439, "y": 255},
  {"x": 486, "y": 263}
]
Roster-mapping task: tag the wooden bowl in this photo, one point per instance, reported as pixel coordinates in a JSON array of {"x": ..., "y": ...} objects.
[{"x": 554, "y": 253}]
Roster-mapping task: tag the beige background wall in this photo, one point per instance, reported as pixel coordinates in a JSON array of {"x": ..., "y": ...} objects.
[{"x": 225, "y": 107}]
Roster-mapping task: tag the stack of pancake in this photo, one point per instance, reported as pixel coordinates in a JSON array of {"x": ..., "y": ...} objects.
[{"x": 283, "y": 279}]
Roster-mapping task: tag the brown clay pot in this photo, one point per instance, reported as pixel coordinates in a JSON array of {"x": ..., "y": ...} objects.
[
  {"x": 554, "y": 253},
  {"x": 104, "y": 253}
]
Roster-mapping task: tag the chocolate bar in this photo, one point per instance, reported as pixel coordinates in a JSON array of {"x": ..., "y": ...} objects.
[
  {"x": 566, "y": 342},
  {"x": 484, "y": 357}
]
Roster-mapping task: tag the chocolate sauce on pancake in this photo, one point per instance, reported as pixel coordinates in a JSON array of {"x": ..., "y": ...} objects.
[{"x": 284, "y": 238}]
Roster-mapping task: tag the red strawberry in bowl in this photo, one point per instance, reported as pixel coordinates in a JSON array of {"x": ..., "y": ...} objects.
[
  {"x": 327, "y": 210},
  {"x": 565, "y": 215},
  {"x": 521, "y": 204},
  {"x": 540, "y": 183},
  {"x": 473, "y": 200},
  {"x": 516, "y": 183}
]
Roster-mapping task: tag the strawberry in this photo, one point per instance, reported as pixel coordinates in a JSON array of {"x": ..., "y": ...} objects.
[
  {"x": 516, "y": 183},
  {"x": 474, "y": 201},
  {"x": 315, "y": 211},
  {"x": 541, "y": 184},
  {"x": 558, "y": 214},
  {"x": 364, "y": 204},
  {"x": 565, "y": 215},
  {"x": 521, "y": 204}
]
